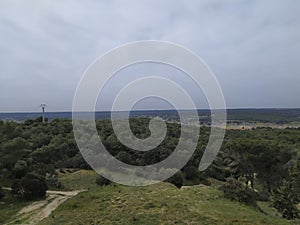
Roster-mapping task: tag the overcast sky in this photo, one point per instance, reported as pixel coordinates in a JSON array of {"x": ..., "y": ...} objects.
[{"x": 253, "y": 47}]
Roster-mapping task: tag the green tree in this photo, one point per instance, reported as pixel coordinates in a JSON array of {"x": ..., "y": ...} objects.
[
  {"x": 20, "y": 169},
  {"x": 30, "y": 187},
  {"x": 237, "y": 190},
  {"x": 258, "y": 160},
  {"x": 191, "y": 173},
  {"x": 287, "y": 196}
]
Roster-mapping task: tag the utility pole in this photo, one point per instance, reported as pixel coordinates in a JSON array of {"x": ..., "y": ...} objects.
[{"x": 43, "y": 106}]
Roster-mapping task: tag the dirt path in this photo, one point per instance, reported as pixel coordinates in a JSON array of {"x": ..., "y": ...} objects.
[{"x": 39, "y": 210}]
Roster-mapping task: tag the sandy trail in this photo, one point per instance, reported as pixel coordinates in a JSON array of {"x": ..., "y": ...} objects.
[{"x": 39, "y": 210}]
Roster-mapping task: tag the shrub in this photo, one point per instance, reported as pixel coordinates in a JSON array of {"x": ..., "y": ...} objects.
[
  {"x": 285, "y": 200},
  {"x": 176, "y": 179},
  {"x": 102, "y": 181},
  {"x": 1, "y": 193},
  {"x": 20, "y": 169},
  {"x": 191, "y": 173},
  {"x": 236, "y": 190},
  {"x": 30, "y": 187}
]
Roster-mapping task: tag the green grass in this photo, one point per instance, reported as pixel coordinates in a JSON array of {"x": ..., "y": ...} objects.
[
  {"x": 81, "y": 179},
  {"x": 156, "y": 204},
  {"x": 10, "y": 206}
]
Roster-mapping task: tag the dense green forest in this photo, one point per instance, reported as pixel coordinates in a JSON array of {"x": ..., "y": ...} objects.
[{"x": 258, "y": 164}]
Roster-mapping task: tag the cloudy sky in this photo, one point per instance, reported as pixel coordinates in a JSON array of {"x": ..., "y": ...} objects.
[{"x": 252, "y": 47}]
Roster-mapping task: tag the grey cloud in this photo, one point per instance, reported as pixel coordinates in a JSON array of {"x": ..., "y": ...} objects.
[{"x": 252, "y": 46}]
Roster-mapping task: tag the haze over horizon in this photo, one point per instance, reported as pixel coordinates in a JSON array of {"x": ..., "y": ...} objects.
[
  {"x": 149, "y": 109},
  {"x": 251, "y": 46}
]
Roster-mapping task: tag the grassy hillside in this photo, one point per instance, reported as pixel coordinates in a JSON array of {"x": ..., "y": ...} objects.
[
  {"x": 157, "y": 204},
  {"x": 76, "y": 180}
]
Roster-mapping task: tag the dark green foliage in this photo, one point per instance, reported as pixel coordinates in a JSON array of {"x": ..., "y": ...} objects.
[
  {"x": 124, "y": 157},
  {"x": 102, "y": 181},
  {"x": 236, "y": 190},
  {"x": 176, "y": 179},
  {"x": 192, "y": 173},
  {"x": 1, "y": 193},
  {"x": 31, "y": 186},
  {"x": 287, "y": 196},
  {"x": 284, "y": 201},
  {"x": 257, "y": 161},
  {"x": 20, "y": 169},
  {"x": 37, "y": 147}
]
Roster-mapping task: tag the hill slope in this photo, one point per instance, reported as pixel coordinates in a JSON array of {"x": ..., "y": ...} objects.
[{"x": 156, "y": 204}]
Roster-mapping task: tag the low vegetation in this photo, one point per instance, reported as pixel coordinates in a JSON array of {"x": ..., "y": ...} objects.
[
  {"x": 236, "y": 190},
  {"x": 156, "y": 204}
]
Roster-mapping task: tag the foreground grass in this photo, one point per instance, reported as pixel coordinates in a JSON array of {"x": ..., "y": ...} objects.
[{"x": 156, "y": 204}]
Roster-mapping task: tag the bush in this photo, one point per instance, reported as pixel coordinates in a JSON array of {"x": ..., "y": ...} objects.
[
  {"x": 20, "y": 169},
  {"x": 285, "y": 200},
  {"x": 102, "y": 181},
  {"x": 191, "y": 173},
  {"x": 1, "y": 193},
  {"x": 176, "y": 179},
  {"x": 236, "y": 190},
  {"x": 30, "y": 187}
]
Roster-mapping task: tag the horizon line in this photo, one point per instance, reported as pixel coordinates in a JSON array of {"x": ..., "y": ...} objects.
[{"x": 172, "y": 109}]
